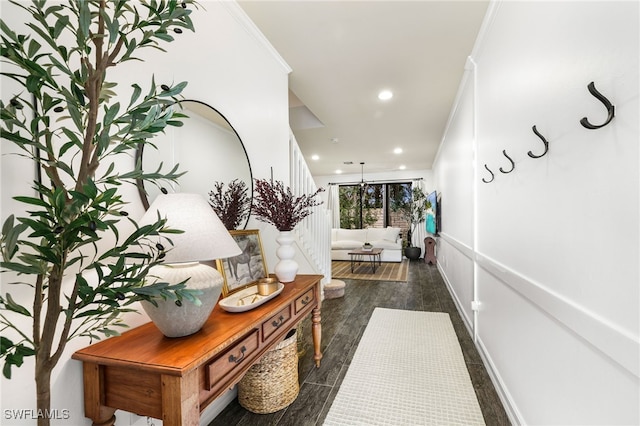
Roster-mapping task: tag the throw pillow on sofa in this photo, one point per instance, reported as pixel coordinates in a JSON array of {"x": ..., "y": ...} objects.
[
  {"x": 376, "y": 234},
  {"x": 392, "y": 234}
]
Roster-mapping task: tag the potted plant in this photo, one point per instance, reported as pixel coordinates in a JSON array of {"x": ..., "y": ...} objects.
[
  {"x": 416, "y": 210},
  {"x": 231, "y": 205},
  {"x": 275, "y": 204},
  {"x": 66, "y": 119}
]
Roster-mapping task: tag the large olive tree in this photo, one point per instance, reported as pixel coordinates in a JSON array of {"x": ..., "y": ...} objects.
[{"x": 67, "y": 118}]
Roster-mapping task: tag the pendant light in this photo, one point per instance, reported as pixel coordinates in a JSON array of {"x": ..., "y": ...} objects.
[{"x": 362, "y": 190}]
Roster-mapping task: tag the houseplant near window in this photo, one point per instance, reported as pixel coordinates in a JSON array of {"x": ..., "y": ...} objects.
[
  {"x": 415, "y": 210},
  {"x": 66, "y": 118},
  {"x": 275, "y": 204}
]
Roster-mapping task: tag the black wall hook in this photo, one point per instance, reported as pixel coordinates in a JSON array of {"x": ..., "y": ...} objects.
[
  {"x": 513, "y": 165},
  {"x": 607, "y": 104},
  {"x": 546, "y": 144},
  {"x": 492, "y": 175}
]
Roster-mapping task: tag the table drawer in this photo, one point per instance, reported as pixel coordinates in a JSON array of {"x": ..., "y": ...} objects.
[
  {"x": 275, "y": 322},
  {"x": 308, "y": 297},
  {"x": 233, "y": 356}
]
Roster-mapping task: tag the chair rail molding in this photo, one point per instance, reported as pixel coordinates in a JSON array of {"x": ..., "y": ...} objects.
[{"x": 616, "y": 343}]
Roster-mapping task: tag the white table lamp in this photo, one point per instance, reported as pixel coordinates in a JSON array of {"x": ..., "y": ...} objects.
[{"x": 204, "y": 239}]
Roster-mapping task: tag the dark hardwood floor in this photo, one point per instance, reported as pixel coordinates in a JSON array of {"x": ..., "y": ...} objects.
[{"x": 343, "y": 322}]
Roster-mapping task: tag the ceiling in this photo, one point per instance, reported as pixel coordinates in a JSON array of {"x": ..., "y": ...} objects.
[{"x": 344, "y": 52}]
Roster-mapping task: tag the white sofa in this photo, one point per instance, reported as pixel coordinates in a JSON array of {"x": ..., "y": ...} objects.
[{"x": 345, "y": 240}]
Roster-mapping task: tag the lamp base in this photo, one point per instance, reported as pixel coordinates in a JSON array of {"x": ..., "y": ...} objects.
[{"x": 179, "y": 321}]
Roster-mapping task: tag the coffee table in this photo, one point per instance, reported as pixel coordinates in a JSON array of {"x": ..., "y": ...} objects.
[{"x": 358, "y": 256}]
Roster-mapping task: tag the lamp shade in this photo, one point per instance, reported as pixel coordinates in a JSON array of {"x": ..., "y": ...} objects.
[{"x": 204, "y": 237}]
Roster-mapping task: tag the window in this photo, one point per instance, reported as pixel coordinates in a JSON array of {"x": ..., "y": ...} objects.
[
  {"x": 357, "y": 208},
  {"x": 375, "y": 205}
]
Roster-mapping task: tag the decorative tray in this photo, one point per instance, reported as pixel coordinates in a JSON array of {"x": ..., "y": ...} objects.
[{"x": 247, "y": 299}]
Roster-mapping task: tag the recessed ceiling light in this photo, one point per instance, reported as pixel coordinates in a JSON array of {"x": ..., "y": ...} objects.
[
  {"x": 385, "y": 95},
  {"x": 397, "y": 151},
  {"x": 402, "y": 167},
  {"x": 315, "y": 157},
  {"x": 338, "y": 172}
]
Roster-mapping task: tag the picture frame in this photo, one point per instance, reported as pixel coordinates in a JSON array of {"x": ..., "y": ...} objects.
[{"x": 247, "y": 268}]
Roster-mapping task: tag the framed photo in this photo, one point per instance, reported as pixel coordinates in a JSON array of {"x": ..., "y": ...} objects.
[{"x": 248, "y": 267}]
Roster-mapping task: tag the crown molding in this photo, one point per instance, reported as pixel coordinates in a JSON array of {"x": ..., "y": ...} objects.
[{"x": 250, "y": 27}]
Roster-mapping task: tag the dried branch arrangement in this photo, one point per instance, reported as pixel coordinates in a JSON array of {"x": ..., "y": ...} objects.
[
  {"x": 231, "y": 205},
  {"x": 275, "y": 204}
]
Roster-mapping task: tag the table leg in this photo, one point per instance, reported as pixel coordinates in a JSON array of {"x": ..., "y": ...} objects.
[
  {"x": 93, "y": 384},
  {"x": 180, "y": 405},
  {"x": 316, "y": 329},
  {"x": 111, "y": 421}
]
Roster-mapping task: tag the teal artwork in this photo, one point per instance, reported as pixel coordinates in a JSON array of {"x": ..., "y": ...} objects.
[{"x": 432, "y": 207}]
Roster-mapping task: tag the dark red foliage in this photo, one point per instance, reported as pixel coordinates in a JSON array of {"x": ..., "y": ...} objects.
[
  {"x": 233, "y": 205},
  {"x": 275, "y": 204}
]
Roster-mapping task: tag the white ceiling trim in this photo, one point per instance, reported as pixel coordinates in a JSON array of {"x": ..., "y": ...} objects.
[{"x": 240, "y": 15}]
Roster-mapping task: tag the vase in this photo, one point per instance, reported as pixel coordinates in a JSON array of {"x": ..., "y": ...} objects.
[
  {"x": 183, "y": 319},
  {"x": 287, "y": 268}
]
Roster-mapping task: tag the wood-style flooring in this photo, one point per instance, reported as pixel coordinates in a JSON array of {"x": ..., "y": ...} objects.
[{"x": 343, "y": 322}]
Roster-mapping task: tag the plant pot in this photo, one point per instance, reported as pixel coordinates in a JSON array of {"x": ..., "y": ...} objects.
[{"x": 412, "y": 253}]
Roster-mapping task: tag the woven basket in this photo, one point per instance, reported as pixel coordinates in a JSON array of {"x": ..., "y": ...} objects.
[{"x": 272, "y": 383}]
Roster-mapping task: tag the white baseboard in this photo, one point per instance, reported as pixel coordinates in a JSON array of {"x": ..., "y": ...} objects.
[
  {"x": 505, "y": 397},
  {"x": 507, "y": 402}
]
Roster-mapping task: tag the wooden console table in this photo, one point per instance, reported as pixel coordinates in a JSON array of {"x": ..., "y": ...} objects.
[{"x": 174, "y": 379}]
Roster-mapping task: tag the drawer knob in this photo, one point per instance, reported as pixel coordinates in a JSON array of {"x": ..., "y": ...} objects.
[
  {"x": 235, "y": 360},
  {"x": 306, "y": 300},
  {"x": 279, "y": 322}
]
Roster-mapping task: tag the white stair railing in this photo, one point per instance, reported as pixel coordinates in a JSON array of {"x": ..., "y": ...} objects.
[{"x": 314, "y": 232}]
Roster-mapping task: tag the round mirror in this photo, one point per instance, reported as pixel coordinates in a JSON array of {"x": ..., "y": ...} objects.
[{"x": 206, "y": 147}]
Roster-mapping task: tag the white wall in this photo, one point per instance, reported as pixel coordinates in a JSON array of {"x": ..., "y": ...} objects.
[
  {"x": 551, "y": 249},
  {"x": 228, "y": 66}
]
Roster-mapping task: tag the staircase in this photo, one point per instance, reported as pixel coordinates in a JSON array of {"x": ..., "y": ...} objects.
[{"x": 314, "y": 232}]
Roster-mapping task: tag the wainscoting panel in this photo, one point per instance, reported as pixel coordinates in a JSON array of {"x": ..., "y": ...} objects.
[
  {"x": 453, "y": 255},
  {"x": 613, "y": 341},
  {"x": 541, "y": 362},
  {"x": 567, "y": 339},
  {"x": 459, "y": 279}
]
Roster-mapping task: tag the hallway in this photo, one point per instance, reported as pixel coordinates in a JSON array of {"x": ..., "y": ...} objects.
[{"x": 343, "y": 322}]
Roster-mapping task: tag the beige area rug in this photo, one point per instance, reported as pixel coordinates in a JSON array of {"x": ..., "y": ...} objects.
[
  {"x": 387, "y": 271},
  {"x": 408, "y": 369}
]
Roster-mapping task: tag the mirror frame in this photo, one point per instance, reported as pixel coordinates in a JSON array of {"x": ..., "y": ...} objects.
[{"x": 140, "y": 152}]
